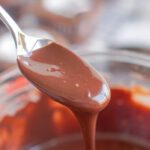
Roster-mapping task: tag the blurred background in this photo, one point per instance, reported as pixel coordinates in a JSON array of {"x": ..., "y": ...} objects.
[{"x": 81, "y": 25}]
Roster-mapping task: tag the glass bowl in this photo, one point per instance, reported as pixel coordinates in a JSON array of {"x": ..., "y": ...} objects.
[{"x": 29, "y": 120}]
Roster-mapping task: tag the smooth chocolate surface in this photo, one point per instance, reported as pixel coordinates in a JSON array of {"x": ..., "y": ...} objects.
[{"x": 64, "y": 76}]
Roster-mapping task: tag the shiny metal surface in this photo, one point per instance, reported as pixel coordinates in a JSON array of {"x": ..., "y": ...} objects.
[{"x": 24, "y": 44}]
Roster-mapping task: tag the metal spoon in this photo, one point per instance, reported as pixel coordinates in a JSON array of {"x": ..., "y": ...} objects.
[
  {"x": 25, "y": 44},
  {"x": 56, "y": 76}
]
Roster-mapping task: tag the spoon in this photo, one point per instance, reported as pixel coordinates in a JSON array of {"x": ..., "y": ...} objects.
[
  {"x": 62, "y": 75},
  {"x": 57, "y": 71}
]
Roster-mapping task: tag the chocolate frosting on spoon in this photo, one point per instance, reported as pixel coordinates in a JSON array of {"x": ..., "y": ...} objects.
[
  {"x": 67, "y": 78},
  {"x": 63, "y": 75}
]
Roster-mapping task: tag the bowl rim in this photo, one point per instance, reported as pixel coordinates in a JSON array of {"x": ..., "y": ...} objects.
[
  {"x": 131, "y": 57},
  {"x": 127, "y": 56}
]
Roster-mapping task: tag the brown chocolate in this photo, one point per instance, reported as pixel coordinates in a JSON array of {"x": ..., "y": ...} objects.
[{"x": 64, "y": 76}]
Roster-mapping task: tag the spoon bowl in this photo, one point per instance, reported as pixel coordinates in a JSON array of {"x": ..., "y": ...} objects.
[
  {"x": 64, "y": 76},
  {"x": 57, "y": 71}
]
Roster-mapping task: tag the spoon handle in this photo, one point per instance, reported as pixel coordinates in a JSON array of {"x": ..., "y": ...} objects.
[{"x": 10, "y": 24}]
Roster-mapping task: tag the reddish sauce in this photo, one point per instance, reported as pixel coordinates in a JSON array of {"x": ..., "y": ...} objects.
[{"x": 44, "y": 120}]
